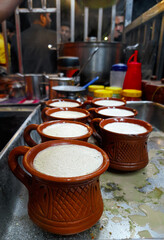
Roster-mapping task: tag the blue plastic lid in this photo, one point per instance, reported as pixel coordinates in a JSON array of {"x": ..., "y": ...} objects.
[{"x": 119, "y": 67}]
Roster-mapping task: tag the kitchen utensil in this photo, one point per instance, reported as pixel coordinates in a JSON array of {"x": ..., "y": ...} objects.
[
  {"x": 72, "y": 92},
  {"x": 89, "y": 83},
  {"x": 101, "y": 62},
  {"x": 55, "y": 80},
  {"x": 35, "y": 86}
]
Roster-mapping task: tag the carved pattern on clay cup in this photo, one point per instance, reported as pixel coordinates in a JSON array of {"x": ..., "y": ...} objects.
[
  {"x": 127, "y": 152},
  {"x": 60, "y": 205}
]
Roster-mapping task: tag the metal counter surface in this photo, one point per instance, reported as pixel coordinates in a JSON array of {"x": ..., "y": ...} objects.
[{"x": 133, "y": 202}]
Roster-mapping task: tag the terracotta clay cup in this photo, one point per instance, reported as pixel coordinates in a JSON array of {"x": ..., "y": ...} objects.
[
  {"x": 68, "y": 126},
  {"x": 112, "y": 112},
  {"x": 126, "y": 151},
  {"x": 72, "y": 114},
  {"x": 58, "y": 103},
  {"x": 58, "y": 204},
  {"x": 105, "y": 102}
]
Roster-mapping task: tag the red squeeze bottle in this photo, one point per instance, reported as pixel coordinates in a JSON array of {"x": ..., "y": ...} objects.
[{"x": 133, "y": 75}]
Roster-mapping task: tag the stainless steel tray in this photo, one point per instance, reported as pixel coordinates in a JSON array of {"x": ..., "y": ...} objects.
[{"x": 133, "y": 202}]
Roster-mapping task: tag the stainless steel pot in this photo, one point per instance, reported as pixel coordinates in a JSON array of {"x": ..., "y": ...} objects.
[
  {"x": 35, "y": 86},
  {"x": 102, "y": 61},
  {"x": 55, "y": 80}
]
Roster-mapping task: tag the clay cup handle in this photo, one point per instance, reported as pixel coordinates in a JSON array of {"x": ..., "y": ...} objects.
[
  {"x": 96, "y": 129},
  {"x": 43, "y": 115},
  {"x": 27, "y": 134},
  {"x": 92, "y": 112},
  {"x": 91, "y": 116},
  {"x": 15, "y": 167},
  {"x": 87, "y": 102}
]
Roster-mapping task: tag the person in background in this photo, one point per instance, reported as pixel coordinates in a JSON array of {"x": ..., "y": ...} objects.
[
  {"x": 37, "y": 56},
  {"x": 65, "y": 32},
  {"x": 10, "y": 32},
  {"x": 118, "y": 30}
]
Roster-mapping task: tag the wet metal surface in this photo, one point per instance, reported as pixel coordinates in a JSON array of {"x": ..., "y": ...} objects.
[{"x": 133, "y": 202}]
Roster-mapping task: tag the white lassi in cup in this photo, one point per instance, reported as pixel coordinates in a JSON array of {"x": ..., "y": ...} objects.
[
  {"x": 68, "y": 114},
  {"x": 65, "y": 130},
  {"x": 64, "y": 104},
  {"x": 68, "y": 160},
  {"x": 116, "y": 112},
  {"x": 109, "y": 103},
  {"x": 125, "y": 128}
]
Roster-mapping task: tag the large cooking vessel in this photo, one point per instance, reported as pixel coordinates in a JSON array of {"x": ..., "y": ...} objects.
[
  {"x": 55, "y": 80},
  {"x": 35, "y": 86},
  {"x": 101, "y": 62}
]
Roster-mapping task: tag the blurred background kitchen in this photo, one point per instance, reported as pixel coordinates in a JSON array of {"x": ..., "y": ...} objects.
[{"x": 80, "y": 39}]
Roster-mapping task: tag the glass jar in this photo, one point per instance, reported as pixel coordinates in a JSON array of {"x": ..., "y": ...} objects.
[
  {"x": 131, "y": 94},
  {"x": 116, "y": 91}
]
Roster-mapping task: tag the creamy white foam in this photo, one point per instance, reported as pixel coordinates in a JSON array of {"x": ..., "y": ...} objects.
[
  {"x": 116, "y": 112},
  {"x": 68, "y": 114},
  {"x": 65, "y": 130},
  {"x": 109, "y": 103},
  {"x": 68, "y": 160},
  {"x": 125, "y": 128},
  {"x": 64, "y": 104}
]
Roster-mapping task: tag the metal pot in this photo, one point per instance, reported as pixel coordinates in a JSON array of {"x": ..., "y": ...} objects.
[
  {"x": 102, "y": 61},
  {"x": 54, "y": 80},
  {"x": 35, "y": 86},
  {"x": 69, "y": 92}
]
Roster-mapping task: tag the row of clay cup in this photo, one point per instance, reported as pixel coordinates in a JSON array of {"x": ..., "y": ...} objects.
[
  {"x": 64, "y": 205},
  {"x": 51, "y": 116},
  {"x": 127, "y": 152},
  {"x": 53, "y": 105}
]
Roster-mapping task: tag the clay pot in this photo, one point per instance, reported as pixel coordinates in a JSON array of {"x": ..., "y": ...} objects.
[
  {"x": 47, "y": 114},
  {"x": 95, "y": 102},
  {"x": 57, "y": 204},
  {"x": 96, "y": 112},
  {"x": 76, "y": 104},
  {"x": 127, "y": 152},
  {"x": 45, "y": 137}
]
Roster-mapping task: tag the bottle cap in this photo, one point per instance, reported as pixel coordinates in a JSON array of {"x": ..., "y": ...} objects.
[
  {"x": 131, "y": 93},
  {"x": 119, "y": 67},
  {"x": 103, "y": 93},
  {"x": 115, "y": 90},
  {"x": 92, "y": 88}
]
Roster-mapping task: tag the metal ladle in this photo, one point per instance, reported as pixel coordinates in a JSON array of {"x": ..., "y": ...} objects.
[{"x": 86, "y": 63}]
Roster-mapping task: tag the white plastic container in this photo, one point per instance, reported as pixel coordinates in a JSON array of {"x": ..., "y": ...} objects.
[{"x": 117, "y": 75}]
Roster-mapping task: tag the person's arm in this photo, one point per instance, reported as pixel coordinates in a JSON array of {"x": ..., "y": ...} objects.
[{"x": 7, "y": 7}]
